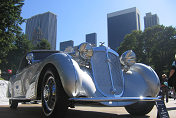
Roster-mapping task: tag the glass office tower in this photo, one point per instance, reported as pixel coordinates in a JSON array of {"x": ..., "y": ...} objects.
[
  {"x": 121, "y": 23},
  {"x": 42, "y": 26},
  {"x": 151, "y": 20},
  {"x": 92, "y": 39},
  {"x": 66, "y": 44}
]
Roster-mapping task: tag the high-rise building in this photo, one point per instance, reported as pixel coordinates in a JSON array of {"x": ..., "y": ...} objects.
[
  {"x": 66, "y": 45},
  {"x": 92, "y": 39},
  {"x": 151, "y": 20},
  {"x": 121, "y": 23},
  {"x": 42, "y": 26}
]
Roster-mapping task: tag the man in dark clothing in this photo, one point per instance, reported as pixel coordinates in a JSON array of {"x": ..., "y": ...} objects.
[{"x": 164, "y": 87}]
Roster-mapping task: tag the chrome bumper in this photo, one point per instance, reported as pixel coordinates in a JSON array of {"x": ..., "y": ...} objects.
[{"x": 116, "y": 99}]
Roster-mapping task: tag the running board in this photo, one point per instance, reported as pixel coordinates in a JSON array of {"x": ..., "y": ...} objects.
[
  {"x": 20, "y": 99},
  {"x": 115, "y": 99}
]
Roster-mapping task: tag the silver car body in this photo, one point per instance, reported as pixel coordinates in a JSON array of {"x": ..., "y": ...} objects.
[{"x": 101, "y": 79}]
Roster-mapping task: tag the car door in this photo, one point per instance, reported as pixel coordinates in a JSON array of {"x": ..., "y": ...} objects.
[
  {"x": 17, "y": 82},
  {"x": 28, "y": 83}
]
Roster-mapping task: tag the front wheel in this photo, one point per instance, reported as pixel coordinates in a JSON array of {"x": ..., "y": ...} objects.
[
  {"x": 54, "y": 98},
  {"x": 140, "y": 108}
]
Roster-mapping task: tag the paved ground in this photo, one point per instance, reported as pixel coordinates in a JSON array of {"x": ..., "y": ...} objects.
[{"x": 35, "y": 111}]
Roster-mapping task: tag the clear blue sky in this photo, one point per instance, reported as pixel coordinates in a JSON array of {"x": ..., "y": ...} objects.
[{"x": 76, "y": 18}]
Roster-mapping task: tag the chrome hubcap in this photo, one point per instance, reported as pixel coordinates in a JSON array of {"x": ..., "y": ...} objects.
[
  {"x": 46, "y": 92},
  {"x": 49, "y": 95}
]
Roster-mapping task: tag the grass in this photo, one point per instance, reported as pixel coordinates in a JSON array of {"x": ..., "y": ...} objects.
[{"x": 1, "y": 78}]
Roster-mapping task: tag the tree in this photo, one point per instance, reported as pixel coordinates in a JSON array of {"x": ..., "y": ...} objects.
[
  {"x": 155, "y": 47},
  {"x": 43, "y": 45},
  {"x": 133, "y": 42},
  {"x": 10, "y": 20},
  {"x": 21, "y": 47},
  {"x": 13, "y": 43}
]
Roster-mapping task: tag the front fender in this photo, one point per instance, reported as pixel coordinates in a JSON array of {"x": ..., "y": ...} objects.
[
  {"x": 74, "y": 79},
  {"x": 66, "y": 71},
  {"x": 141, "y": 80}
]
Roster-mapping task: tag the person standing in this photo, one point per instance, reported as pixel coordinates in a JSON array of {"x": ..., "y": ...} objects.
[
  {"x": 172, "y": 76},
  {"x": 164, "y": 87}
]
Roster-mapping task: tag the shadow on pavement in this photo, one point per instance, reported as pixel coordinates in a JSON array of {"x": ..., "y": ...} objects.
[
  {"x": 36, "y": 112},
  {"x": 21, "y": 112},
  {"x": 91, "y": 114}
]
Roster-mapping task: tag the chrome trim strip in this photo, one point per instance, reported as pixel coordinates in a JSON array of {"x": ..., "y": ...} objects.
[
  {"x": 115, "y": 53},
  {"x": 110, "y": 72},
  {"x": 93, "y": 73},
  {"x": 116, "y": 99}
]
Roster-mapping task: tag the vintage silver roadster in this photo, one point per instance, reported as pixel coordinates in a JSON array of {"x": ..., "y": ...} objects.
[{"x": 85, "y": 75}]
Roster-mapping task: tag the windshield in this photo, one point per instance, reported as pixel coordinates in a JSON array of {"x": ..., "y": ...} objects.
[{"x": 41, "y": 55}]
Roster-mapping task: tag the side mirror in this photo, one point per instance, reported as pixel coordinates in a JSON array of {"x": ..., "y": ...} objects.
[
  {"x": 29, "y": 58},
  {"x": 128, "y": 58}
]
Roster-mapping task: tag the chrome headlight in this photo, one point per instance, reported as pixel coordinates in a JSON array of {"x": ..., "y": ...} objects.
[
  {"x": 128, "y": 58},
  {"x": 85, "y": 50}
]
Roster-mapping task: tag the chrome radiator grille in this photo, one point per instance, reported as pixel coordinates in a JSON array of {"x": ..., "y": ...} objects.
[{"x": 107, "y": 73}]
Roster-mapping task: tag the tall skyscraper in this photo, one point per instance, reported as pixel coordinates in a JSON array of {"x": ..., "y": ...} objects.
[
  {"x": 151, "y": 20},
  {"x": 66, "y": 45},
  {"x": 42, "y": 26},
  {"x": 92, "y": 39},
  {"x": 121, "y": 23}
]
